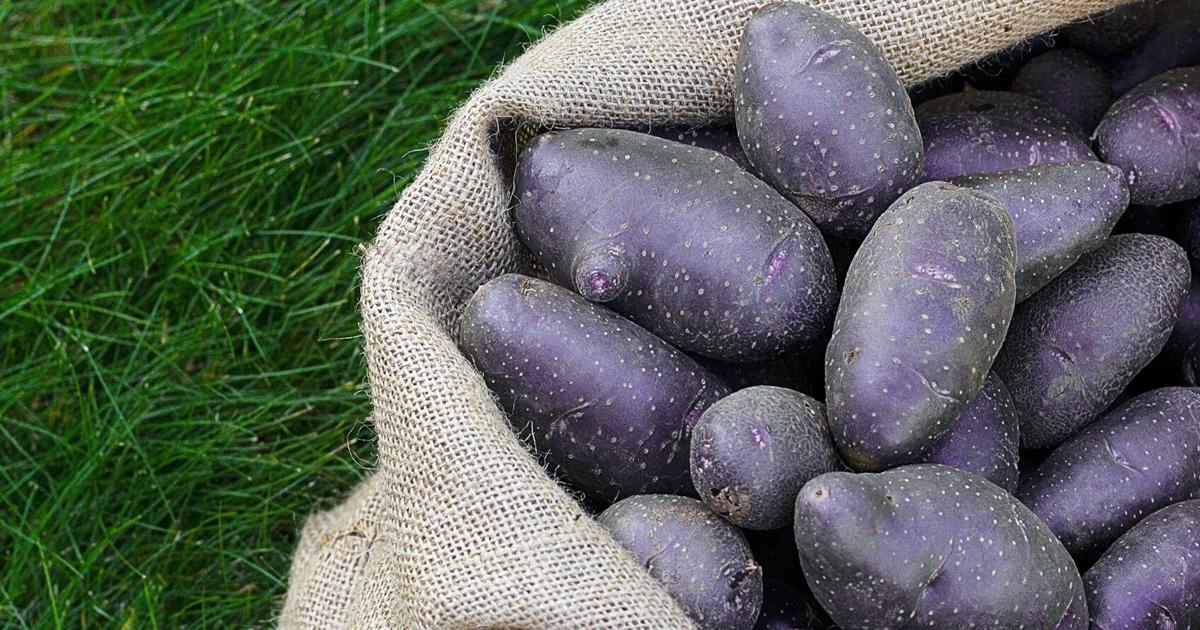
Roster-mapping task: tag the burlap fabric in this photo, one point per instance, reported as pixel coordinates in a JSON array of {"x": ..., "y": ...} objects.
[{"x": 460, "y": 527}]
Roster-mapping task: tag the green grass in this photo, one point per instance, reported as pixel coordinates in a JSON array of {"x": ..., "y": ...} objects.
[{"x": 184, "y": 187}]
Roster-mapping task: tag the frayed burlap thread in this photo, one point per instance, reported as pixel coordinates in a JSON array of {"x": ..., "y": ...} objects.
[{"x": 460, "y": 527}]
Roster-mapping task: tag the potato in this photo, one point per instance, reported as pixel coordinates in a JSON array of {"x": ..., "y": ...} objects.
[
  {"x": 1134, "y": 460},
  {"x": 1078, "y": 342},
  {"x": 699, "y": 559},
  {"x": 925, "y": 308},
  {"x": 931, "y": 546},
  {"x": 967, "y": 143},
  {"x": 985, "y": 439},
  {"x": 1070, "y": 80},
  {"x": 678, "y": 239},
  {"x": 824, "y": 117},
  {"x": 607, "y": 402}
]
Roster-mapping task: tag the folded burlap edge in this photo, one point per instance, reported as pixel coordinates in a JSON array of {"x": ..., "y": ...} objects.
[{"x": 460, "y": 526}]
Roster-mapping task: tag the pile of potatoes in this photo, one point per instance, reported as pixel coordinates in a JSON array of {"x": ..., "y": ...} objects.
[{"x": 854, "y": 364}]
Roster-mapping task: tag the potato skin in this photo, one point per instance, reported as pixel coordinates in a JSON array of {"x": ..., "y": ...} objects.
[
  {"x": 966, "y": 143},
  {"x": 752, "y": 450},
  {"x": 598, "y": 392},
  {"x": 678, "y": 239},
  {"x": 824, "y": 117},
  {"x": 1071, "y": 81},
  {"x": 918, "y": 544},
  {"x": 1010, "y": 105},
  {"x": 699, "y": 559},
  {"x": 1060, "y": 212},
  {"x": 1078, "y": 342},
  {"x": 985, "y": 439},
  {"x": 723, "y": 140},
  {"x": 1148, "y": 579},
  {"x": 1137, "y": 458},
  {"x": 1171, "y": 43},
  {"x": 1153, "y": 134},
  {"x": 926, "y": 305}
]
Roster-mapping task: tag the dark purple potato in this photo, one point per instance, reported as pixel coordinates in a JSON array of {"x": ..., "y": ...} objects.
[
  {"x": 1059, "y": 211},
  {"x": 966, "y": 143},
  {"x": 1011, "y": 105},
  {"x": 985, "y": 438},
  {"x": 925, "y": 308},
  {"x": 678, "y": 239},
  {"x": 996, "y": 71},
  {"x": 723, "y": 140},
  {"x": 1191, "y": 365},
  {"x": 1189, "y": 232},
  {"x": 699, "y": 559},
  {"x": 804, "y": 373},
  {"x": 933, "y": 547},
  {"x": 1171, "y": 367},
  {"x": 1078, "y": 342},
  {"x": 609, "y": 403},
  {"x": 753, "y": 449},
  {"x": 1153, "y": 134},
  {"x": 1112, "y": 31},
  {"x": 1071, "y": 81},
  {"x": 1172, "y": 43},
  {"x": 824, "y": 117},
  {"x": 1149, "y": 579},
  {"x": 1132, "y": 461}
]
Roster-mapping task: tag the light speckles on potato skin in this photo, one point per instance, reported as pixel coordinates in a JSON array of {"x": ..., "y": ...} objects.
[
  {"x": 1074, "y": 345},
  {"x": 1171, "y": 43},
  {"x": 824, "y": 117},
  {"x": 717, "y": 263},
  {"x": 1153, "y": 134},
  {"x": 1071, "y": 81},
  {"x": 1149, "y": 578},
  {"x": 723, "y": 140},
  {"x": 608, "y": 402},
  {"x": 925, "y": 308},
  {"x": 753, "y": 449},
  {"x": 986, "y": 438},
  {"x": 1003, "y": 104},
  {"x": 931, "y": 546},
  {"x": 1139, "y": 457},
  {"x": 966, "y": 143},
  {"x": 699, "y": 559},
  {"x": 1060, "y": 212}
]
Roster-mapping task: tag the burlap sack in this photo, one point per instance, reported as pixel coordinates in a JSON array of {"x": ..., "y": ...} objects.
[{"x": 460, "y": 527}]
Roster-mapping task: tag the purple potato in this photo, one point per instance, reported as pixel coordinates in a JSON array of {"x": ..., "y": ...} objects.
[
  {"x": 1171, "y": 43},
  {"x": 824, "y": 117},
  {"x": 1113, "y": 31},
  {"x": 966, "y": 143},
  {"x": 985, "y": 439},
  {"x": 1010, "y": 105},
  {"x": 609, "y": 403},
  {"x": 678, "y": 239},
  {"x": 1078, "y": 342},
  {"x": 1132, "y": 461},
  {"x": 1153, "y": 134},
  {"x": 804, "y": 373},
  {"x": 1191, "y": 365},
  {"x": 1150, "y": 577},
  {"x": 723, "y": 140},
  {"x": 1071, "y": 81},
  {"x": 699, "y": 559},
  {"x": 931, "y": 546},
  {"x": 925, "y": 308},
  {"x": 753, "y": 449},
  {"x": 1059, "y": 211},
  {"x": 1171, "y": 366}
]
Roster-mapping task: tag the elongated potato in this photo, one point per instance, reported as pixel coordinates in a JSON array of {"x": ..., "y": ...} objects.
[
  {"x": 607, "y": 402},
  {"x": 925, "y": 308}
]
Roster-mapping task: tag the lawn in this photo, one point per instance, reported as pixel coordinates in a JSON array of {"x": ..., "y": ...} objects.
[{"x": 184, "y": 189}]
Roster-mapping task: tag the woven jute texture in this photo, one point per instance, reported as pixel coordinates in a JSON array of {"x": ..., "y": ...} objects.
[{"x": 459, "y": 526}]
